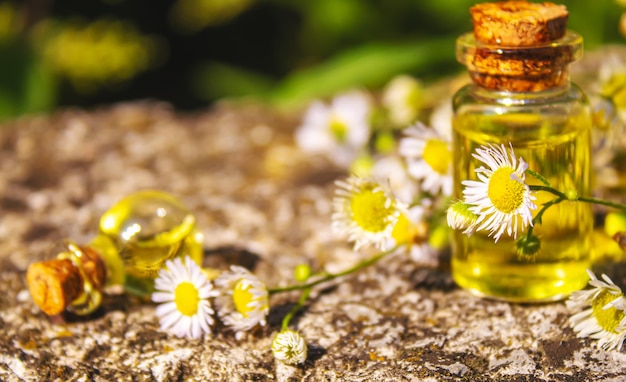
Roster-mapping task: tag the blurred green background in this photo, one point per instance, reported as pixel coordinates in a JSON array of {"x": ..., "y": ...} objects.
[{"x": 194, "y": 52}]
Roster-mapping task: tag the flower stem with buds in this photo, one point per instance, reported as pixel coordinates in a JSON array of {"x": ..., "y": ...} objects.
[{"x": 324, "y": 277}]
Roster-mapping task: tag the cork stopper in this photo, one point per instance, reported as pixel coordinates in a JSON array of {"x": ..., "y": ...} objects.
[
  {"x": 73, "y": 280},
  {"x": 518, "y": 23},
  {"x": 519, "y": 46}
]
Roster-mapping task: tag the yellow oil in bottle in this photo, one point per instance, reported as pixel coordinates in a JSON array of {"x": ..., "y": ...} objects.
[
  {"x": 142, "y": 231},
  {"x": 557, "y": 146}
]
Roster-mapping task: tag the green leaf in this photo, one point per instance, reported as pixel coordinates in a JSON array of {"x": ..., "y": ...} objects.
[
  {"x": 370, "y": 65},
  {"x": 25, "y": 84},
  {"x": 214, "y": 80}
]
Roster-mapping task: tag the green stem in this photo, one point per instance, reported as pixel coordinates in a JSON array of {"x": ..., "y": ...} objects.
[
  {"x": 584, "y": 199},
  {"x": 539, "y": 177},
  {"x": 331, "y": 276},
  {"x": 606, "y": 203},
  {"x": 548, "y": 189},
  {"x": 303, "y": 297},
  {"x": 543, "y": 209}
]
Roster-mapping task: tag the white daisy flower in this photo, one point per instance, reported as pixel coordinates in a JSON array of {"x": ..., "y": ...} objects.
[
  {"x": 429, "y": 158},
  {"x": 413, "y": 231},
  {"x": 403, "y": 97},
  {"x": 461, "y": 217},
  {"x": 365, "y": 211},
  {"x": 392, "y": 169},
  {"x": 244, "y": 300},
  {"x": 289, "y": 347},
  {"x": 183, "y": 292},
  {"x": 604, "y": 314},
  {"x": 501, "y": 198},
  {"x": 609, "y": 96},
  {"x": 340, "y": 130}
]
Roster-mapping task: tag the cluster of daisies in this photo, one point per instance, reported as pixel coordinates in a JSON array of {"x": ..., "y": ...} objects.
[
  {"x": 401, "y": 168},
  {"x": 187, "y": 301},
  {"x": 398, "y": 195},
  {"x": 367, "y": 210},
  {"x": 398, "y": 198}
]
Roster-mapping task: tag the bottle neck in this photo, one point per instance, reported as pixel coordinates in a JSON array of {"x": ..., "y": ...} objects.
[
  {"x": 519, "y": 69},
  {"x": 556, "y": 80},
  {"x": 508, "y": 98}
]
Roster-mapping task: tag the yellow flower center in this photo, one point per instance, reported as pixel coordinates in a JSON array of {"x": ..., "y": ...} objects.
[
  {"x": 186, "y": 297},
  {"x": 608, "y": 319},
  {"x": 370, "y": 211},
  {"x": 338, "y": 129},
  {"x": 505, "y": 193},
  {"x": 405, "y": 232},
  {"x": 402, "y": 230},
  {"x": 242, "y": 297},
  {"x": 437, "y": 155}
]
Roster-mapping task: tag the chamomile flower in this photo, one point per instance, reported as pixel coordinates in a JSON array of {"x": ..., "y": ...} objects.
[
  {"x": 340, "y": 129},
  {"x": 403, "y": 97},
  {"x": 429, "y": 158},
  {"x": 604, "y": 314},
  {"x": 413, "y": 231},
  {"x": 501, "y": 198},
  {"x": 365, "y": 211},
  {"x": 609, "y": 97},
  {"x": 460, "y": 216},
  {"x": 289, "y": 347},
  {"x": 244, "y": 302},
  {"x": 391, "y": 168},
  {"x": 183, "y": 292}
]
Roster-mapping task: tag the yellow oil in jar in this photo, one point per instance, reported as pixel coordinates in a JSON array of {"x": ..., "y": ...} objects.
[
  {"x": 140, "y": 233},
  {"x": 557, "y": 146}
]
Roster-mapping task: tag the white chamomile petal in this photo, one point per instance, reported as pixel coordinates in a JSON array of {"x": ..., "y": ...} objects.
[
  {"x": 183, "y": 291},
  {"x": 244, "y": 300},
  {"x": 403, "y": 99},
  {"x": 289, "y": 347},
  {"x": 340, "y": 129},
  {"x": 460, "y": 217},
  {"x": 429, "y": 158},
  {"x": 501, "y": 199},
  {"x": 365, "y": 211},
  {"x": 603, "y": 317}
]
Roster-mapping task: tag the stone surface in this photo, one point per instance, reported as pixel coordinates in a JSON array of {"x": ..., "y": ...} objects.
[{"x": 263, "y": 205}]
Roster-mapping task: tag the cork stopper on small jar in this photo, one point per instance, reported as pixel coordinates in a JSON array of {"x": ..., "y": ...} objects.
[
  {"x": 518, "y": 23},
  {"x": 519, "y": 46},
  {"x": 71, "y": 281}
]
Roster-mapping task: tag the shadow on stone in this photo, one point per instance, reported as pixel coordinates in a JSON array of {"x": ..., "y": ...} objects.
[
  {"x": 315, "y": 353},
  {"x": 433, "y": 278},
  {"x": 224, "y": 257}
]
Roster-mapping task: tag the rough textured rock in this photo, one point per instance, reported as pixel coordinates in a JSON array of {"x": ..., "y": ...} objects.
[{"x": 263, "y": 205}]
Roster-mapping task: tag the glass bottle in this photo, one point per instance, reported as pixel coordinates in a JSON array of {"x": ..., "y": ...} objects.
[
  {"x": 522, "y": 95},
  {"x": 137, "y": 235}
]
